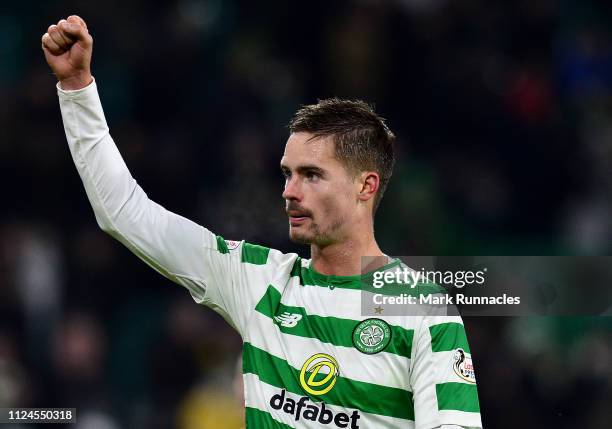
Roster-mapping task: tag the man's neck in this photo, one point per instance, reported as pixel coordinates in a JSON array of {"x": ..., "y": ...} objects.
[{"x": 345, "y": 258}]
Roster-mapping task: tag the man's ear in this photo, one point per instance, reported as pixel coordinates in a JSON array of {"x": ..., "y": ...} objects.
[{"x": 369, "y": 182}]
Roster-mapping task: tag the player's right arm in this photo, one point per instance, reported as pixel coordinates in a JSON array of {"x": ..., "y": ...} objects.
[
  {"x": 178, "y": 248},
  {"x": 172, "y": 245}
]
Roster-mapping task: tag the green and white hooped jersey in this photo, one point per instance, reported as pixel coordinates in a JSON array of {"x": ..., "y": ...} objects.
[{"x": 310, "y": 359}]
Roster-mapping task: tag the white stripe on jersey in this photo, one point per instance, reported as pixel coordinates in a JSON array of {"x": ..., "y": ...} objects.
[{"x": 258, "y": 395}]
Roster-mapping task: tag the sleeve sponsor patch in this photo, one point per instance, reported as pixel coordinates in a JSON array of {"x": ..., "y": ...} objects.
[
  {"x": 463, "y": 367},
  {"x": 232, "y": 244}
]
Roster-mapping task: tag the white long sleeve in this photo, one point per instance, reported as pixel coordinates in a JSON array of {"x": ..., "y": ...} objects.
[
  {"x": 229, "y": 277},
  {"x": 171, "y": 244}
]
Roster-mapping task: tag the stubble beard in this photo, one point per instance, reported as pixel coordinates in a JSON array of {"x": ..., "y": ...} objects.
[{"x": 315, "y": 236}]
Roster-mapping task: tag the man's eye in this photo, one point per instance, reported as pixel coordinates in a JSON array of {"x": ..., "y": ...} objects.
[{"x": 311, "y": 175}]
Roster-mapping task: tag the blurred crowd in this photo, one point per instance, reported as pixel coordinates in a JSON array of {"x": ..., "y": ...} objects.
[{"x": 503, "y": 112}]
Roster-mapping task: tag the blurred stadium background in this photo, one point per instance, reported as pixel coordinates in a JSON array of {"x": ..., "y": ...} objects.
[{"x": 504, "y": 116}]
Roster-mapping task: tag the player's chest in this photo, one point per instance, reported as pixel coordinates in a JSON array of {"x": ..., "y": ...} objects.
[{"x": 321, "y": 334}]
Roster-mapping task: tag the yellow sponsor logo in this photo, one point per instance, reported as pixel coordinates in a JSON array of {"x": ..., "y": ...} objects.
[{"x": 325, "y": 381}]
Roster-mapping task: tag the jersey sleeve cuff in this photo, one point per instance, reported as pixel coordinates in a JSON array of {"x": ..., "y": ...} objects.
[{"x": 65, "y": 94}]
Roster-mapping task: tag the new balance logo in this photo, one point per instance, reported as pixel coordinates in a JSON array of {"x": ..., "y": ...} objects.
[{"x": 288, "y": 320}]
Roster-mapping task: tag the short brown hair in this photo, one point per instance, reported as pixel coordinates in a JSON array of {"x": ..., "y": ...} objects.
[{"x": 363, "y": 142}]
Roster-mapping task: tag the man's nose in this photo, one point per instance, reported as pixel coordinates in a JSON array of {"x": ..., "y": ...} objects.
[{"x": 292, "y": 190}]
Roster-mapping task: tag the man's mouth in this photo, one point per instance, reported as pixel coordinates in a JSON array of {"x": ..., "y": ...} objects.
[
  {"x": 297, "y": 218},
  {"x": 296, "y": 221}
]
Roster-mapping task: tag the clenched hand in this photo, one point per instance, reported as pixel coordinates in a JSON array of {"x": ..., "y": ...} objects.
[{"x": 68, "y": 47}]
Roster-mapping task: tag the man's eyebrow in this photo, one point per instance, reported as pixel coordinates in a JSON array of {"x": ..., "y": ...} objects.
[
  {"x": 305, "y": 168},
  {"x": 310, "y": 168}
]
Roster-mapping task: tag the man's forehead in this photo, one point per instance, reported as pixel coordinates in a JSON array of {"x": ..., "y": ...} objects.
[{"x": 306, "y": 146}]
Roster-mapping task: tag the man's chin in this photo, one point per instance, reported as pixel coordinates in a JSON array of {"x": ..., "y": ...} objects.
[{"x": 299, "y": 237}]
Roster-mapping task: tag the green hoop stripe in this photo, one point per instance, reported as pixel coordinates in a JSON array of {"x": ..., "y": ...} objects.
[
  {"x": 331, "y": 330},
  {"x": 448, "y": 336},
  {"x": 457, "y": 396}
]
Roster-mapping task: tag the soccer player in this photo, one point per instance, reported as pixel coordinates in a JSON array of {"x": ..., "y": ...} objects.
[{"x": 310, "y": 358}]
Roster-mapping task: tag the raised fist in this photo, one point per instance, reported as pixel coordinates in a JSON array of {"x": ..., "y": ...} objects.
[{"x": 68, "y": 47}]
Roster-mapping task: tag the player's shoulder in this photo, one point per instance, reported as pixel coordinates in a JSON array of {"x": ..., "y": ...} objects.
[
  {"x": 397, "y": 278},
  {"x": 255, "y": 254},
  {"x": 424, "y": 285}
]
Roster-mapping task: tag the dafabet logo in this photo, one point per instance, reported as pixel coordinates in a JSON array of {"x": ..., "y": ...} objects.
[
  {"x": 318, "y": 376},
  {"x": 315, "y": 381}
]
